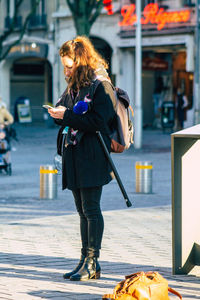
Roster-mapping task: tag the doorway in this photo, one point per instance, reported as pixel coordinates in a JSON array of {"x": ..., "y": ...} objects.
[
  {"x": 105, "y": 50},
  {"x": 31, "y": 78}
]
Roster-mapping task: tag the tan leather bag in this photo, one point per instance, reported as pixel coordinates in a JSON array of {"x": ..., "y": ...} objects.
[{"x": 142, "y": 286}]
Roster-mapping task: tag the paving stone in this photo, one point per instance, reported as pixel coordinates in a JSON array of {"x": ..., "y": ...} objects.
[{"x": 39, "y": 239}]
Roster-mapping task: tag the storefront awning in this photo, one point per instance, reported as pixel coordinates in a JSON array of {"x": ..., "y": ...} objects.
[{"x": 28, "y": 50}]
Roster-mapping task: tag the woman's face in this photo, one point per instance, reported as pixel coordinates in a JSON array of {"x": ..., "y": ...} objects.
[{"x": 68, "y": 65}]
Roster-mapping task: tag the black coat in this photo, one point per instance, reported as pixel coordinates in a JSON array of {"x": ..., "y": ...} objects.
[{"x": 85, "y": 164}]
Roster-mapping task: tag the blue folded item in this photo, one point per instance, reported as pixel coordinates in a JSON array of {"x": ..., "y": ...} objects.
[{"x": 80, "y": 107}]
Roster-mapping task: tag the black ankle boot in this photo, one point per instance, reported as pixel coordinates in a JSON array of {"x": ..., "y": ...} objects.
[
  {"x": 80, "y": 264},
  {"x": 90, "y": 270}
]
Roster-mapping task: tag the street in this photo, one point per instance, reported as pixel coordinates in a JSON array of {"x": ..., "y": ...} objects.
[{"x": 40, "y": 238}]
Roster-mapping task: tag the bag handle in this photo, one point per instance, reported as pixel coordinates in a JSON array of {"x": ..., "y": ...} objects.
[
  {"x": 108, "y": 296},
  {"x": 174, "y": 292},
  {"x": 112, "y": 296}
]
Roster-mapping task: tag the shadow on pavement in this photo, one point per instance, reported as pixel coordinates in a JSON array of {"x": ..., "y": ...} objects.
[
  {"x": 23, "y": 266},
  {"x": 60, "y": 263},
  {"x": 47, "y": 294}
]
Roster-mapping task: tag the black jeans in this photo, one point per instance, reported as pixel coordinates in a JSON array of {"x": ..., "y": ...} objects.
[{"x": 87, "y": 202}]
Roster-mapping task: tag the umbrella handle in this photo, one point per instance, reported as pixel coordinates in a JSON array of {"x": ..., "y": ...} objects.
[{"x": 126, "y": 198}]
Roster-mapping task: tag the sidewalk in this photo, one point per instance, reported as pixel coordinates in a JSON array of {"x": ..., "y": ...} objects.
[{"x": 40, "y": 238}]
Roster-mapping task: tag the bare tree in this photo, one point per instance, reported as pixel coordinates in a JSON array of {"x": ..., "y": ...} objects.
[
  {"x": 9, "y": 31},
  {"x": 85, "y": 13}
]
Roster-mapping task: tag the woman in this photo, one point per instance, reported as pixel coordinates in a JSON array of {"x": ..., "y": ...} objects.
[{"x": 85, "y": 167}]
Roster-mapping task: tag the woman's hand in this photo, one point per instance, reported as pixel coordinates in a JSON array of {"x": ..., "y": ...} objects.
[{"x": 57, "y": 112}]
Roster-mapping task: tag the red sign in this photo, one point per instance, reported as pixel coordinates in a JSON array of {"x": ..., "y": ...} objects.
[
  {"x": 108, "y": 6},
  {"x": 152, "y": 14},
  {"x": 154, "y": 64}
]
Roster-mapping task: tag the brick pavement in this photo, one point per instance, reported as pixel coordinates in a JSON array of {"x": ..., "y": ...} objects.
[
  {"x": 40, "y": 239},
  {"x": 35, "y": 253}
]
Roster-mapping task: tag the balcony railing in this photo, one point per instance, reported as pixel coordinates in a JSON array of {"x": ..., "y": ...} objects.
[
  {"x": 38, "y": 21},
  {"x": 8, "y": 22},
  {"x": 189, "y": 3}
]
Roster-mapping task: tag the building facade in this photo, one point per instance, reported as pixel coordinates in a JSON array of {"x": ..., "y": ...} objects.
[
  {"x": 168, "y": 52},
  {"x": 168, "y": 49},
  {"x": 33, "y": 68},
  {"x": 103, "y": 35},
  {"x": 27, "y": 70}
]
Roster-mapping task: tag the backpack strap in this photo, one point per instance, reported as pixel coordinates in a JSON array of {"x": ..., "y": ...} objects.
[
  {"x": 95, "y": 84},
  {"x": 131, "y": 109},
  {"x": 174, "y": 292}
]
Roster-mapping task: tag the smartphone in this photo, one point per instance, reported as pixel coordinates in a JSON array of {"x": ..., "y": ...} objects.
[{"x": 47, "y": 106}]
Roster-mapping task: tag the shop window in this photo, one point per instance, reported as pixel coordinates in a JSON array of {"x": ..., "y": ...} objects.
[
  {"x": 161, "y": 3},
  {"x": 39, "y": 19},
  {"x": 146, "y": 2}
]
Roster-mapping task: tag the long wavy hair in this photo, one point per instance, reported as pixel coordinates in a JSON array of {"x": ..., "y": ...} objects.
[{"x": 86, "y": 60}]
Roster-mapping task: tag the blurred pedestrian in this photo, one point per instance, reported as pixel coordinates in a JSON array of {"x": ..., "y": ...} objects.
[
  {"x": 181, "y": 104},
  {"x": 157, "y": 96},
  {"x": 85, "y": 167},
  {"x": 6, "y": 119},
  {"x": 157, "y": 100},
  {"x": 5, "y": 116}
]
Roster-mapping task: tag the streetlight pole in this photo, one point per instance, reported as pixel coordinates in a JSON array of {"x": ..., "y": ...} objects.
[
  {"x": 197, "y": 66},
  {"x": 138, "y": 79}
]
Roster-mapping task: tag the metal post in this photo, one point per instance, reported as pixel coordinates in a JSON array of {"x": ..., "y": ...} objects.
[
  {"x": 138, "y": 80},
  {"x": 48, "y": 182},
  {"x": 143, "y": 175},
  {"x": 197, "y": 66}
]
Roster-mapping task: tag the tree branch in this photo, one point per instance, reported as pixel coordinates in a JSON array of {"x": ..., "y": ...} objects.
[
  {"x": 99, "y": 6},
  {"x": 71, "y": 6},
  {"x": 84, "y": 13},
  {"x": 91, "y": 5}
]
